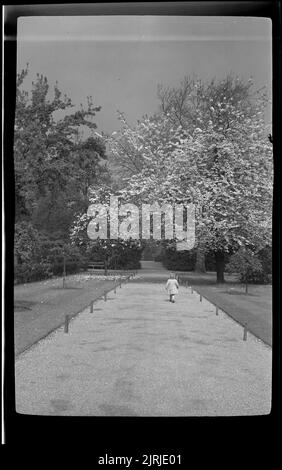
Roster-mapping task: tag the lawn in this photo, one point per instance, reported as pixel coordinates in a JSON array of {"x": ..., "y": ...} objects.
[
  {"x": 254, "y": 308},
  {"x": 40, "y": 307}
]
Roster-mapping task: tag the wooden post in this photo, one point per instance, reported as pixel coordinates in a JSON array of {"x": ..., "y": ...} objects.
[
  {"x": 245, "y": 332},
  {"x": 115, "y": 288},
  {"x": 91, "y": 306},
  {"x": 67, "y": 319},
  {"x": 106, "y": 267},
  {"x": 64, "y": 272},
  {"x": 105, "y": 296},
  {"x": 200, "y": 298},
  {"x": 216, "y": 310},
  {"x": 192, "y": 290}
]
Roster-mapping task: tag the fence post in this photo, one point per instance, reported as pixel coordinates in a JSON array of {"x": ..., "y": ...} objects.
[
  {"x": 91, "y": 306},
  {"x": 200, "y": 297},
  {"x": 245, "y": 332},
  {"x": 105, "y": 296},
  {"x": 216, "y": 310},
  {"x": 64, "y": 271},
  {"x": 192, "y": 292},
  {"x": 67, "y": 319}
]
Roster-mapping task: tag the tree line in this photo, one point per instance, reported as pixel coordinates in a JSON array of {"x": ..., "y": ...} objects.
[{"x": 207, "y": 144}]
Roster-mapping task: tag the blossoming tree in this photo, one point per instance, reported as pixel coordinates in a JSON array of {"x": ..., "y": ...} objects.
[{"x": 220, "y": 160}]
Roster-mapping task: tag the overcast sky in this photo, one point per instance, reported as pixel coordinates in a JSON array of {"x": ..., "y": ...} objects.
[{"x": 119, "y": 60}]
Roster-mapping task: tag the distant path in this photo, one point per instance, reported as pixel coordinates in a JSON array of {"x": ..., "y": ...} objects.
[{"x": 150, "y": 267}]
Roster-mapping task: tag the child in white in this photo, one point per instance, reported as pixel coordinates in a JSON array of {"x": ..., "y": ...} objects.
[{"x": 172, "y": 287}]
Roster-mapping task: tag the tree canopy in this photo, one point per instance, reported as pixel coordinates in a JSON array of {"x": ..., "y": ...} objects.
[
  {"x": 53, "y": 165},
  {"x": 208, "y": 146}
]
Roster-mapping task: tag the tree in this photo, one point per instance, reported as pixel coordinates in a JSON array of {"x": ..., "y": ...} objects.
[
  {"x": 131, "y": 148},
  {"x": 221, "y": 110},
  {"x": 53, "y": 167},
  {"x": 222, "y": 164},
  {"x": 246, "y": 264}
]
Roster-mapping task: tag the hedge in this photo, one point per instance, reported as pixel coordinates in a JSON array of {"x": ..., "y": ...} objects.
[
  {"x": 31, "y": 272},
  {"x": 179, "y": 260}
]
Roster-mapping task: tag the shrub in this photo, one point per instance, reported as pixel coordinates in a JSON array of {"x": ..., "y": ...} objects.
[
  {"x": 119, "y": 255},
  {"x": 133, "y": 264},
  {"x": 26, "y": 242},
  {"x": 248, "y": 267},
  {"x": 55, "y": 251},
  {"x": 265, "y": 257},
  {"x": 38, "y": 256},
  {"x": 179, "y": 260},
  {"x": 210, "y": 263},
  {"x": 259, "y": 277},
  {"x": 31, "y": 272},
  {"x": 72, "y": 267}
]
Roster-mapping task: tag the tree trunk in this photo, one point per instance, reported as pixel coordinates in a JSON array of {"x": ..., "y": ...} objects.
[
  {"x": 220, "y": 265},
  {"x": 200, "y": 266}
]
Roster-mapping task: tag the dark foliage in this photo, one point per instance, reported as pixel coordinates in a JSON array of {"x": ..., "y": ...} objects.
[{"x": 179, "y": 260}]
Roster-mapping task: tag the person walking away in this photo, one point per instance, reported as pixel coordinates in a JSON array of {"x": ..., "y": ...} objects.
[{"x": 172, "y": 287}]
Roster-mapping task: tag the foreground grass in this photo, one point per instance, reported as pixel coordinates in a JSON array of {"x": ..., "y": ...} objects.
[
  {"x": 254, "y": 308},
  {"x": 40, "y": 307}
]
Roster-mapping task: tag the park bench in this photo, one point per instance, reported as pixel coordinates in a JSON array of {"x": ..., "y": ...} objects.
[{"x": 96, "y": 265}]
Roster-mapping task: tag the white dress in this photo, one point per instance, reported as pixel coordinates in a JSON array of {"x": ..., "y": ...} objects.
[{"x": 172, "y": 286}]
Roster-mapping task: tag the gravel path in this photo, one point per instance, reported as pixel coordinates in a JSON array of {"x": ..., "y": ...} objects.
[{"x": 139, "y": 355}]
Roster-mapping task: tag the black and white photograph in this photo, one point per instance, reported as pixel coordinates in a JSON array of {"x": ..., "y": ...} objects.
[{"x": 143, "y": 217}]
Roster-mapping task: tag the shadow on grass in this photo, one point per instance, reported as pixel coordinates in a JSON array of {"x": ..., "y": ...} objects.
[
  {"x": 23, "y": 305},
  {"x": 238, "y": 292}
]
